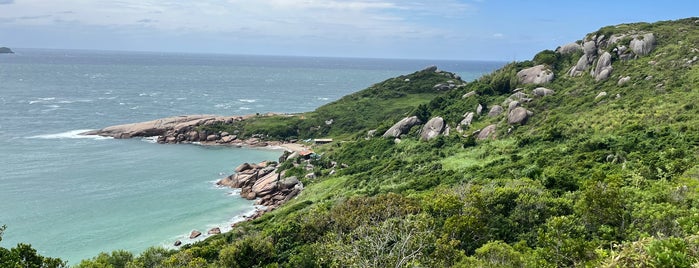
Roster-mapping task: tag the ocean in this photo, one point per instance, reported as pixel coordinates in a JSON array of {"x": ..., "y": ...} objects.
[{"x": 72, "y": 196}]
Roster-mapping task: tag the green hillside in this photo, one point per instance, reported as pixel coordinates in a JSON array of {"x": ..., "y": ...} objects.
[{"x": 588, "y": 168}]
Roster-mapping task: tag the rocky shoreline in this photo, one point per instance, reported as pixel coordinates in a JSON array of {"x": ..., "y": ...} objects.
[{"x": 262, "y": 181}]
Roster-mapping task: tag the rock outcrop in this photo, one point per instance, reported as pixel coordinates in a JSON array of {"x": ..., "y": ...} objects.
[
  {"x": 185, "y": 129},
  {"x": 603, "y": 68},
  {"x": 542, "y": 91},
  {"x": 622, "y": 81},
  {"x": 6, "y": 50},
  {"x": 495, "y": 111},
  {"x": 518, "y": 116},
  {"x": 402, "y": 127},
  {"x": 432, "y": 128},
  {"x": 263, "y": 182},
  {"x": 465, "y": 123},
  {"x": 487, "y": 132},
  {"x": 569, "y": 48},
  {"x": 642, "y": 45},
  {"x": 194, "y": 234},
  {"x": 537, "y": 75}
]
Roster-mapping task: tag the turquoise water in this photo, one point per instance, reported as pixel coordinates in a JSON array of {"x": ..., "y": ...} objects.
[{"x": 73, "y": 197}]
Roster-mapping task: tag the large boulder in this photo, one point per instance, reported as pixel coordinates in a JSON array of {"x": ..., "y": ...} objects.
[
  {"x": 487, "y": 132},
  {"x": 402, "y": 127},
  {"x": 643, "y": 45},
  {"x": 603, "y": 68},
  {"x": 266, "y": 185},
  {"x": 469, "y": 94},
  {"x": 290, "y": 182},
  {"x": 579, "y": 67},
  {"x": 590, "y": 49},
  {"x": 519, "y": 116},
  {"x": 466, "y": 122},
  {"x": 194, "y": 234},
  {"x": 569, "y": 48},
  {"x": 214, "y": 231},
  {"x": 542, "y": 91},
  {"x": 432, "y": 128},
  {"x": 540, "y": 74},
  {"x": 495, "y": 110}
]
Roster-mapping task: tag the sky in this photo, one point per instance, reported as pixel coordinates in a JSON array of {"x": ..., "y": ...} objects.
[{"x": 410, "y": 29}]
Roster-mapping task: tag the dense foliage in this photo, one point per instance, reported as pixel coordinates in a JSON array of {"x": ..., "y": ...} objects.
[
  {"x": 608, "y": 181},
  {"x": 24, "y": 256}
]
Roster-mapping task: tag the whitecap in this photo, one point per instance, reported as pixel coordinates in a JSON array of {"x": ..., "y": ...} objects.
[
  {"x": 152, "y": 139},
  {"x": 243, "y": 108},
  {"x": 73, "y": 134},
  {"x": 322, "y": 98},
  {"x": 247, "y": 100}
]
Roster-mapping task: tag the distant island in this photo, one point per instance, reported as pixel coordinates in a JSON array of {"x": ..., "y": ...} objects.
[{"x": 6, "y": 50}]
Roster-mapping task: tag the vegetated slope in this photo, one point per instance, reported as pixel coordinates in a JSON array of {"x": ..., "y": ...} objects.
[
  {"x": 354, "y": 113},
  {"x": 568, "y": 176}
]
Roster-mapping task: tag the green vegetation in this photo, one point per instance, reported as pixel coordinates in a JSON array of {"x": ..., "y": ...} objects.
[
  {"x": 375, "y": 107},
  {"x": 609, "y": 181},
  {"x": 24, "y": 256}
]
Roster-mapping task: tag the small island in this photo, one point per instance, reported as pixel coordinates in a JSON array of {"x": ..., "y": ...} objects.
[{"x": 6, "y": 50}]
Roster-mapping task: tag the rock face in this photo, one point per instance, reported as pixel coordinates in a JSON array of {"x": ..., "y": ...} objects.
[
  {"x": 6, "y": 50},
  {"x": 643, "y": 45},
  {"x": 402, "y": 127},
  {"x": 518, "y": 116},
  {"x": 542, "y": 91},
  {"x": 214, "y": 231},
  {"x": 487, "y": 132},
  {"x": 432, "y": 128},
  {"x": 263, "y": 182},
  {"x": 603, "y": 68},
  {"x": 536, "y": 75}
]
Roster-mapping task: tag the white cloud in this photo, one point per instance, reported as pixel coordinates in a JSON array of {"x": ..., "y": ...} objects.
[{"x": 358, "y": 18}]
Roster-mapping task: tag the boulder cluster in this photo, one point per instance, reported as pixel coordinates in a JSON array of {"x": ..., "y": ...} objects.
[
  {"x": 263, "y": 182},
  {"x": 596, "y": 52}
]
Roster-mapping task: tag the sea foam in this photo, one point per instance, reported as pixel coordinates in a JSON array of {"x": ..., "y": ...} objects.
[{"x": 73, "y": 134}]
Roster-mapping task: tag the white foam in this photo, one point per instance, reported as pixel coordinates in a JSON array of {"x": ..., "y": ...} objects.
[
  {"x": 73, "y": 134},
  {"x": 243, "y": 108},
  {"x": 247, "y": 100},
  {"x": 153, "y": 139},
  {"x": 322, "y": 98}
]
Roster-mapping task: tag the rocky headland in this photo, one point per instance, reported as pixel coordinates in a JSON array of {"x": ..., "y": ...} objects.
[
  {"x": 187, "y": 129},
  {"x": 263, "y": 182},
  {"x": 6, "y": 50}
]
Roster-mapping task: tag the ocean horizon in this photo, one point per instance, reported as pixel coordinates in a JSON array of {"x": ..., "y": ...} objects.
[{"x": 73, "y": 196}]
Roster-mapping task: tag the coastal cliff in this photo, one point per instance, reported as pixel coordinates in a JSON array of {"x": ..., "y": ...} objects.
[{"x": 6, "y": 50}]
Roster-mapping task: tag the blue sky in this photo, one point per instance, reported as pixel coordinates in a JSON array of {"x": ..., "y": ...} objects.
[{"x": 417, "y": 29}]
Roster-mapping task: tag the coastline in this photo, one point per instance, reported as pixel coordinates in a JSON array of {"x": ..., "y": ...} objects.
[{"x": 261, "y": 182}]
